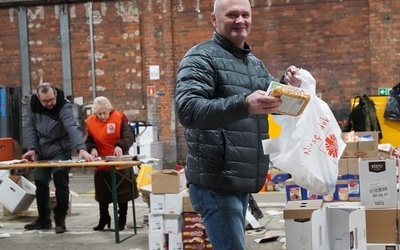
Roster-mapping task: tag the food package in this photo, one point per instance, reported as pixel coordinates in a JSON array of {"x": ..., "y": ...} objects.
[{"x": 294, "y": 100}]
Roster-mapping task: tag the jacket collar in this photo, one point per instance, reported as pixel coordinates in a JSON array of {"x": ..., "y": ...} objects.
[{"x": 229, "y": 46}]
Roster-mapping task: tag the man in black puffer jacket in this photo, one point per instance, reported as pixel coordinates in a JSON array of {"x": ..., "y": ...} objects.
[{"x": 222, "y": 103}]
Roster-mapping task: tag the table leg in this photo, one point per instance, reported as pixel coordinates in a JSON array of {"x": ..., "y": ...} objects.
[
  {"x": 115, "y": 203},
  {"x": 133, "y": 202}
]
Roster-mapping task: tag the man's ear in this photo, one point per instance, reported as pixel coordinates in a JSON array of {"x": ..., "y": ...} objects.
[{"x": 213, "y": 20}]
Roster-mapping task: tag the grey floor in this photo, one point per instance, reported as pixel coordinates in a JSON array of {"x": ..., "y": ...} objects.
[{"x": 84, "y": 216}]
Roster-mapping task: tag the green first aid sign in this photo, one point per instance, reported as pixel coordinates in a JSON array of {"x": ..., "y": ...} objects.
[{"x": 384, "y": 91}]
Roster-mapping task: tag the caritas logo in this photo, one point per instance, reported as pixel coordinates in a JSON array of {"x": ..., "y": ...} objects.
[{"x": 377, "y": 166}]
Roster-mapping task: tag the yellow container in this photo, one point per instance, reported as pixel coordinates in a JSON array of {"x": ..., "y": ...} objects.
[
  {"x": 390, "y": 129},
  {"x": 274, "y": 128}
]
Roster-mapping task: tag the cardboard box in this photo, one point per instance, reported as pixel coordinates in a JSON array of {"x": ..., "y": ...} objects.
[
  {"x": 307, "y": 195},
  {"x": 174, "y": 203},
  {"x": 297, "y": 215},
  {"x": 173, "y": 223},
  {"x": 156, "y": 223},
  {"x": 381, "y": 225},
  {"x": 191, "y": 218},
  {"x": 386, "y": 151},
  {"x": 158, "y": 241},
  {"x": 353, "y": 178},
  {"x": 147, "y": 134},
  {"x": 378, "y": 183},
  {"x": 382, "y": 246},
  {"x": 342, "y": 204},
  {"x": 398, "y": 222},
  {"x": 361, "y": 148},
  {"x": 168, "y": 181},
  {"x": 53, "y": 199},
  {"x": 341, "y": 191},
  {"x": 187, "y": 205},
  {"x": 342, "y": 168},
  {"x": 152, "y": 150},
  {"x": 175, "y": 242},
  {"x": 338, "y": 228},
  {"x": 4, "y": 174},
  {"x": 293, "y": 191},
  {"x": 157, "y": 203},
  {"x": 17, "y": 193},
  {"x": 9, "y": 149}
]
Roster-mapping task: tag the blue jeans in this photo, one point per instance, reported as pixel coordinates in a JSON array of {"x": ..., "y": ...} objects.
[
  {"x": 223, "y": 214},
  {"x": 61, "y": 184}
]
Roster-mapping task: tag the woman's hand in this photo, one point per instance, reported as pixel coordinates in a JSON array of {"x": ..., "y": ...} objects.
[{"x": 118, "y": 151}]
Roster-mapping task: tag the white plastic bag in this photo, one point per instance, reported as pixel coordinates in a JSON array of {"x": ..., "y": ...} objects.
[{"x": 310, "y": 145}]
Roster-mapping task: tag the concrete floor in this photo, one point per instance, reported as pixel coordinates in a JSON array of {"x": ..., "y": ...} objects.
[{"x": 84, "y": 216}]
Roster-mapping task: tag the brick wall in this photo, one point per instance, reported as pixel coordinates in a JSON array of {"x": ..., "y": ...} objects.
[{"x": 351, "y": 48}]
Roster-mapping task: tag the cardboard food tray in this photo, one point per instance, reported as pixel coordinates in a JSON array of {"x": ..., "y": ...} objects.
[
  {"x": 294, "y": 100},
  {"x": 119, "y": 158}
]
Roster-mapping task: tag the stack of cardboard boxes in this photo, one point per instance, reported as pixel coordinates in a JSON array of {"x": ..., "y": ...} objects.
[
  {"x": 173, "y": 224},
  {"x": 166, "y": 207},
  {"x": 149, "y": 145},
  {"x": 365, "y": 200}
]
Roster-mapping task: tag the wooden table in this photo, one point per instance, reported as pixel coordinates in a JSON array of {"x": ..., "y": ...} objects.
[{"x": 115, "y": 165}]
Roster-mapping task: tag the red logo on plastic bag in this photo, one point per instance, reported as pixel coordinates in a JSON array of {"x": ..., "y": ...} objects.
[{"x": 331, "y": 146}]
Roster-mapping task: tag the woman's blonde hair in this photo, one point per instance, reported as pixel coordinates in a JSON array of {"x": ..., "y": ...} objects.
[{"x": 101, "y": 102}]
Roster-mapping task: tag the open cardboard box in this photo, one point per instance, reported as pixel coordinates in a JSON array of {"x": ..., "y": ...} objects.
[
  {"x": 17, "y": 193},
  {"x": 338, "y": 228},
  {"x": 297, "y": 215},
  {"x": 53, "y": 200},
  {"x": 168, "y": 181},
  {"x": 360, "y": 148}
]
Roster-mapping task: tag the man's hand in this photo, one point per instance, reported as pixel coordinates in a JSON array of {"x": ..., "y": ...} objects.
[
  {"x": 30, "y": 155},
  {"x": 290, "y": 76},
  {"x": 83, "y": 154},
  {"x": 260, "y": 103}
]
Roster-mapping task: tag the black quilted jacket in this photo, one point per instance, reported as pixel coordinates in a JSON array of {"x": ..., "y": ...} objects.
[{"x": 224, "y": 141}]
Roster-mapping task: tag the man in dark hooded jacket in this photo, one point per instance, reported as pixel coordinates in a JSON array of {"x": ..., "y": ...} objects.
[{"x": 53, "y": 134}]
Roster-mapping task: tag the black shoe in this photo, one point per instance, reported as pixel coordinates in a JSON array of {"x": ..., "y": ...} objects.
[
  {"x": 38, "y": 224},
  {"x": 102, "y": 223},
  {"x": 122, "y": 222},
  {"x": 60, "y": 227}
]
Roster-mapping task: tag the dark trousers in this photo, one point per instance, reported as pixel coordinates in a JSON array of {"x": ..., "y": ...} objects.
[{"x": 61, "y": 184}]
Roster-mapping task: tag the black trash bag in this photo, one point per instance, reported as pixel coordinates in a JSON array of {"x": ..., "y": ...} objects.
[{"x": 392, "y": 109}]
